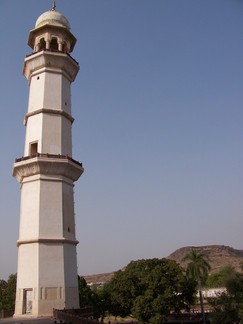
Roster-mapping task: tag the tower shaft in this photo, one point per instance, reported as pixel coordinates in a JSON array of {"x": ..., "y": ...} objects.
[{"x": 47, "y": 261}]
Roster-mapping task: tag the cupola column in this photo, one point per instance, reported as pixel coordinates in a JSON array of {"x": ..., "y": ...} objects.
[
  {"x": 60, "y": 45},
  {"x": 48, "y": 42}
]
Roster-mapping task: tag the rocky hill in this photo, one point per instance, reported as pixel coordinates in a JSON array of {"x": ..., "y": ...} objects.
[
  {"x": 99, "y": 278},
  {"x": 219, "y": 256}
]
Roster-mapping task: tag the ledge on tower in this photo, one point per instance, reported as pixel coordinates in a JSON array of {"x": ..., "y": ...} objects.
[{"x": 48, "y": 165}]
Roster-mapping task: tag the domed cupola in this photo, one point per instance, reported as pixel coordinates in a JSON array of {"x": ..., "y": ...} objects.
[
  {"x": 52, "y": 32},
  {"x": 53, "y": 18}
]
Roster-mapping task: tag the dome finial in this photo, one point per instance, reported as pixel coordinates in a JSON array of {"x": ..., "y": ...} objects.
[{"x": 54, "y": 6}]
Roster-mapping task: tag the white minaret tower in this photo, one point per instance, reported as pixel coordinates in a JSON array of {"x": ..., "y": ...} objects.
[{"x": 47, "y": 262}]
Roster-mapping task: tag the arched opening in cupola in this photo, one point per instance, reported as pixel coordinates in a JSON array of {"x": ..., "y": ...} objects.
[
  {"x": 42, "y": 44},
  {"x": 54, "y": 44}
]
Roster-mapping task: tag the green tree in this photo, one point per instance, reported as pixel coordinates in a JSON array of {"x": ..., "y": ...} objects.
[
  {"x": 220, "y": 278},
  {"x": 101, "y": 304},
  {"x": 7, "y": 293},
  {"x": 3, "y": 287},
  {"x": 197, "y": 268},
  {"x": 119, "y": 296},
  {"x": 149, "y": 290},
  {"x": 11, "y": 292},
  {"x": 228, "y": 306},
  {"x": 85, "y": 293},
  {"x": 97, "y": 299}
]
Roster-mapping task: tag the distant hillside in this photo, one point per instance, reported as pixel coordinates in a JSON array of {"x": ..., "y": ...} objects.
[
  {"x": 99, "y": 278},
  {"x": 219, "y": 256}
]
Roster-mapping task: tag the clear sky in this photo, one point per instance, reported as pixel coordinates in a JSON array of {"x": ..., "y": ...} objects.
[{"x": 158, "y": 108}]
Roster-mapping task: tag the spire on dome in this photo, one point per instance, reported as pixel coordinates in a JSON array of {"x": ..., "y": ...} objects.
[{"x": 53, "y": 6}]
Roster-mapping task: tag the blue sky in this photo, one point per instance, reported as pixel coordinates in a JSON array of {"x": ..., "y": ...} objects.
[{"x": 158, "y": 125}]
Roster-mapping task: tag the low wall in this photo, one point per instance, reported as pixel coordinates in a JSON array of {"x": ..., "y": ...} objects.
[
  {"x": 75, "y": 316},
  {"x": 6, "y": 313}
]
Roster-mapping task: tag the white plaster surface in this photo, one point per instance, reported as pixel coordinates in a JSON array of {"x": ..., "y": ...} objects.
[
  {"x": 47, "y": 260},
  {"x": 53, "y": 18}
]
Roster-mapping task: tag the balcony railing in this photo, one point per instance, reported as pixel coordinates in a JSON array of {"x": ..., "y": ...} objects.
[{"x": 47, "y": 155}]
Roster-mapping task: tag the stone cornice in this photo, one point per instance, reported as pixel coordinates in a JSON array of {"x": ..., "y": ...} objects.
[
  {"x": 48, "y": 61},
  {"x": 48, "y": 111},
  {"x": 49, "y": 166},
  {"x": 48, "y": 241}
]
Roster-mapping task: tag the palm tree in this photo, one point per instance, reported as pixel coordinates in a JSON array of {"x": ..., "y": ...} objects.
[{"x": 198, "y": 268}]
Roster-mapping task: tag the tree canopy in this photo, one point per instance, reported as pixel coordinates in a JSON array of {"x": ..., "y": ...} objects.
[
  {"x": 7, "y": 293},
  {"x": 149, "y": 290},
  {"x": 228, "y": 307},
  {"x": 95, "y": 298},
  {"x": 198, "y": 268},
  {"x": 220, "y": 278},
  {"x": 198, "y": 265}
]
